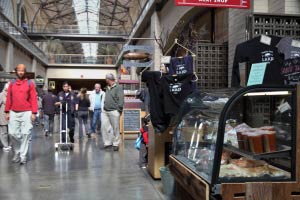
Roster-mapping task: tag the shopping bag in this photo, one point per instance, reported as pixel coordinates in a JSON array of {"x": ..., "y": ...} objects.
[{"x": 138, "y": 142}]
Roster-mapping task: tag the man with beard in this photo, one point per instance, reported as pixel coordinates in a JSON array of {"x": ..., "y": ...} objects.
[
  {"x": 68, "y": 98},
  {"x": 21, "y": 108}
]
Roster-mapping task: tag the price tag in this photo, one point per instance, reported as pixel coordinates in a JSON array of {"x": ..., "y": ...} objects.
[
  {"x": 284, "y": 107},
  {"x": 265, "y": 40},
  {"x": 296, "y": 43},
  {"x": 165, "y": 60}
]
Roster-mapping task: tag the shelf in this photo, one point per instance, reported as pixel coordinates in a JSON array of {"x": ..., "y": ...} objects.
[
  {"x": 129, "y": 81},
  {"x": 285, "y": 152}
]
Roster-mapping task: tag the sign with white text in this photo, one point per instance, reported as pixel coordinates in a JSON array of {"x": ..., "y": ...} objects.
[{"x": 244, "y": 4}]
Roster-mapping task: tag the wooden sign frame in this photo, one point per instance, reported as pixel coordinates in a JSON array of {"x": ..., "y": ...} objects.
[{"x": 131, "y": 131}]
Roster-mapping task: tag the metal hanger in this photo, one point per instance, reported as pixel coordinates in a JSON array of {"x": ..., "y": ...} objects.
[{"x": 176, "y": 43}]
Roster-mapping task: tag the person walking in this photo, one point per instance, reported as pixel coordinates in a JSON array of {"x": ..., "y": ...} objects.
[
  {"x": 49, "y": 109},
  {"x": 4, "y": 138},
  {"x": 110, "y": 117},
  {"x": 97, "y": 102},
  {"x": 83, "y": 111},
  {"x": 68, "y": 98},
  {"x": 21, "y": 108}
]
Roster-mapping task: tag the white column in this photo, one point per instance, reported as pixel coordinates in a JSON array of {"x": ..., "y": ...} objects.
[
  {"x": 9, "y": 57},
  {"x": 33, "y": 69},
  {"x": 155, "y": 31}
]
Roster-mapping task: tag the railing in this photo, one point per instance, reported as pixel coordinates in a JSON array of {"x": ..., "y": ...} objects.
[
  {"x": 81, "y": 59},
  {"x": 20, "y": 37},
  {"x": 75, "y": 29}
]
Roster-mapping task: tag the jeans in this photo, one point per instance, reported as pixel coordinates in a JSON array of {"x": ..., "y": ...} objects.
[
  {"x": 111, "y": 128},
  {"x": 71, "y": 126},
  {"x": 96, "y": 118},
  {"x": 19, "y": 127},
  {"x": 48, "y": 123},
  {"x": 83, "y": 120}
]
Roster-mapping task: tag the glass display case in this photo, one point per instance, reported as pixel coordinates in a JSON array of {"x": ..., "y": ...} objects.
[{"x": 239, "y": 137}]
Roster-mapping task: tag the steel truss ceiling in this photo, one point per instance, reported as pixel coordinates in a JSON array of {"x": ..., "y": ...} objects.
[{"x": 111, "y": 13}]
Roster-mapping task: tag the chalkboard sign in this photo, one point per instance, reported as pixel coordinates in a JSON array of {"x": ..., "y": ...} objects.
[{"x": 131, "y": 120}]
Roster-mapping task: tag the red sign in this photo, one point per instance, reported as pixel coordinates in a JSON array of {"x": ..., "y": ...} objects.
[{"x": 215, "y": 3}]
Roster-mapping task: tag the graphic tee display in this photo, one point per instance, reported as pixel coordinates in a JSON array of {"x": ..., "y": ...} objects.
[
  {"x": 289, "y": 47},
  {"x": 253, "y": 51},
  {"x": 175, "y": 90},
  {"x": 181, "y": 65},
  {"x": 290, "y": 71}
]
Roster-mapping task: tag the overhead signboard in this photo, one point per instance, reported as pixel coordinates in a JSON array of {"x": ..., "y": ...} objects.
[{"x": 243, "y": 4}]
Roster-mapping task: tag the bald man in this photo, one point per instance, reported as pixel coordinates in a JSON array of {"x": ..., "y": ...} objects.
[
  {"x": 97, "y": 102},
  {"x": 21, "y": 108}
]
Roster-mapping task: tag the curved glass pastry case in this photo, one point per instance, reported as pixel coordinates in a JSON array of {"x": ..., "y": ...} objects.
[{"x": 239, "y": 137}]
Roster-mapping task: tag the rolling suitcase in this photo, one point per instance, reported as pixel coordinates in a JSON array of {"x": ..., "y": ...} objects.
[{"x": 63, "y": 145}]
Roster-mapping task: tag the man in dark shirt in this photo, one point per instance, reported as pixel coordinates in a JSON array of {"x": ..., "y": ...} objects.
[
  {"x": 68, "y": 101},
  {"x": 254, "y": 51},
  {"x": 49, "y": 108}
]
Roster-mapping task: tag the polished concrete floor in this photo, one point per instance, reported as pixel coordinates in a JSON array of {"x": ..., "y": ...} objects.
[{"x": 88, "y": 172}]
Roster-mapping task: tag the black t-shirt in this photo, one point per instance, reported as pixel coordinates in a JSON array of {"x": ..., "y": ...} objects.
[
  {"x": 181, "y": 65},
  {"x": 273, "y": 74},
  {"x": 253, "y": 51},
  {"x": 175, "y": 90},
  {"x": 83, "y": 104},
  {"x": 290, "y": 71},
  {"x": 159, "y": 119}
]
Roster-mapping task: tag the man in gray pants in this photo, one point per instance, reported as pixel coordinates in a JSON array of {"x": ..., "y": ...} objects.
[
  {"x": 110, "y": 117},
  {"x": 21, "y": 108}
]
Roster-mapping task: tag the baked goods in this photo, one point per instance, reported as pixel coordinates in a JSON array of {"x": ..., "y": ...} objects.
[{"x": 244, "y": 163}]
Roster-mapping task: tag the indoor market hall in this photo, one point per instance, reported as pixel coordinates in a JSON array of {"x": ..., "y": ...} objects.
[{"x": 149, "y": 99}]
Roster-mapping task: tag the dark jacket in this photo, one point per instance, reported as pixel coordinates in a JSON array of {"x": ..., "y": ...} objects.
[
  {"x": 114, "y": 98},
  {"x": 48, "y": 103},
  {"x": 70, "y": 99}
]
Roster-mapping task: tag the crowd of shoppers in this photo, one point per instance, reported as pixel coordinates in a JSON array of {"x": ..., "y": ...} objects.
[{"x": 19, "y": 108}]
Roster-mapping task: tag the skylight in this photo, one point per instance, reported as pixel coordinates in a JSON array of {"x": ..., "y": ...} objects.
[{"x": 87, "y": 15}]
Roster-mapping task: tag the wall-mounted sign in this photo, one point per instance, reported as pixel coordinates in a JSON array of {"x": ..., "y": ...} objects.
[
  {"x": 51, "y": 85},
  {"x": 244, "y": 4},
  {"x": 137, "y": 55},
  {"x": 39, "y": 80}
]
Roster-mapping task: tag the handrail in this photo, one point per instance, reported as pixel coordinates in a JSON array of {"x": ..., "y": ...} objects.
[
  {"x": 16, "y": 33},
  {"x": 76, "y": 29},
  {"x": 81, "y": 59}
]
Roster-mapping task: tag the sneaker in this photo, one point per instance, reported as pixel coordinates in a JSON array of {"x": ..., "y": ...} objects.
[
  {"x": 46, "y": 133},
  {"x": 16, "y": 158},
  {"x": 88, "y": 135},
  {"x": 116, "y": 148},
  {"x": 23, "y": 161},
  {"x": 7, "y": 149}
]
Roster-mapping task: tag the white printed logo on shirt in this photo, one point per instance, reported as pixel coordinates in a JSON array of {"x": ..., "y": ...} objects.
[
  {"x": 180, "y": 69},
  {"x": 175, "y": 88},
  {"x": 267, "y": 56}
]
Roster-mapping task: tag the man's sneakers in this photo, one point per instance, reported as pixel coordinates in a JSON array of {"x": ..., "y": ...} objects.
[
  {"x": 7, "y": 149},
  {"x": 23, "y": 161},
  {"x": 16, "y": 158},
  {"x": 46, "y": 133},
  {"x": 116, "y": 148}
]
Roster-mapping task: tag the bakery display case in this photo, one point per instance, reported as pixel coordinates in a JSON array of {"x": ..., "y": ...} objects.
[{"x": 234, "y": 144}]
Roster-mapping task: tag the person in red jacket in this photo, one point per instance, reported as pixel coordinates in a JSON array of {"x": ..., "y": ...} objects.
[{"x": 21, "y": 108}]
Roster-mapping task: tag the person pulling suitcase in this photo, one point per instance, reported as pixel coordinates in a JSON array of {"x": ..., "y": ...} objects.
[{"x": 67, "y": 100}]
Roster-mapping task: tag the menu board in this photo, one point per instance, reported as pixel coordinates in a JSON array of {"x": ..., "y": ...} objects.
[{"x": 131, "y": 120}]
